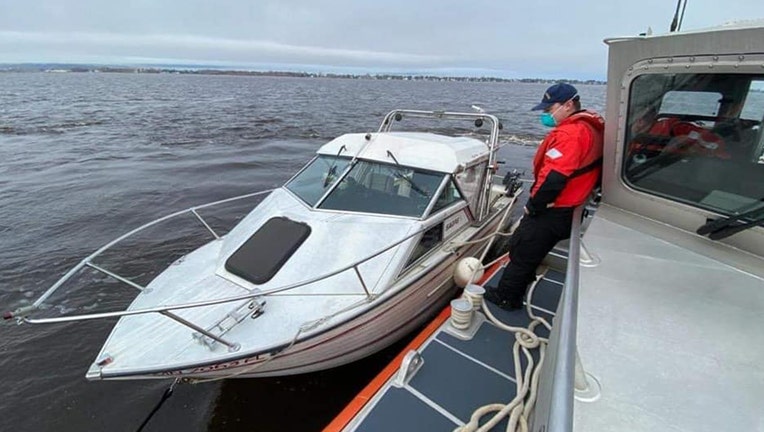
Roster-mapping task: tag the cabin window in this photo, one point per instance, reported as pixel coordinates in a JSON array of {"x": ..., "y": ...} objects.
[
  {"x": 754, "y": 101},
  {"x": 373, "y": 187},
  {"x": 317, "y": 177},
  {"x": 449, "y": 196},
  {"x": 470, "y": 181},
  {"x": 430, "y": 238},
  {"x": 697, "y": 139},
  {"x": 698, "y": 103}
]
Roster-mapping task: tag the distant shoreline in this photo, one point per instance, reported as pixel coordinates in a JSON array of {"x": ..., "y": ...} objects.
[{"x": 63, "y": 68}]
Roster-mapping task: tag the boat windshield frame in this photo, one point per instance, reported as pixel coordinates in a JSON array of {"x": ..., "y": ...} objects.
[
  {"x": 328, "y": 180},
  {"x": 382, "y": 188},
  {"x": 482, "y": 205}
]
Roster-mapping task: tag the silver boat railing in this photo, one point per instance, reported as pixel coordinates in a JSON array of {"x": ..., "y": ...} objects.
[
  {"x": 88, "y": 260},
  {"x": 21, "y": 314},
  {"x": 554, "y": 406}
]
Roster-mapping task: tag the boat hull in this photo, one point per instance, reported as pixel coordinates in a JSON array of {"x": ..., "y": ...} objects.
[{"x": 375, "y": 329}]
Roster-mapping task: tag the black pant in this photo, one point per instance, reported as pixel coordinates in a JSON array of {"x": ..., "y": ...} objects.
[{"x": 529, "y": 244}]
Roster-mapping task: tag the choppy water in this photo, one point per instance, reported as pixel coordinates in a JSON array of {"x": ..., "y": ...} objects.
[{"x": 85, "y": 158}]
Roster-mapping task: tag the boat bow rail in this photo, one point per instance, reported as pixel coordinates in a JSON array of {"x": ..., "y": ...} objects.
[
  {"x": 21, "y": 314},
  {"x": 253, "y": 300}
]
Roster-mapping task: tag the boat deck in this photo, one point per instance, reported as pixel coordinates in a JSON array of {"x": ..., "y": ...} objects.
[
  {"x": 456, "y": 376},
  {"x": 673, "y": 335}
]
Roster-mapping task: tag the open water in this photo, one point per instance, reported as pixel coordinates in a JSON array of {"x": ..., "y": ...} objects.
[{"x": 85, "y": 158}]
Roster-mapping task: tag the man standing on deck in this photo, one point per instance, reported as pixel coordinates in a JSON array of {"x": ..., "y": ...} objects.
[{"x": 566, "y": 168}]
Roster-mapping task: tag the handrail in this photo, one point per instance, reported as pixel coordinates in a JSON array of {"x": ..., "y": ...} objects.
[
  {"x": 554, "y": 409},
  {"x": 87, "y": 260},
  {"x": 214, "y": 301},
  {"x": 163, "y": 309},
  {"x": 397, "y": 114}
]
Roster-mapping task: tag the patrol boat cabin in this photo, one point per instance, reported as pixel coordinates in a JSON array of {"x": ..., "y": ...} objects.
[{"x": 670, "y": 308}]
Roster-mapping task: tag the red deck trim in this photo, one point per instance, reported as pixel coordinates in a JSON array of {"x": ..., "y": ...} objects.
[{"x": 364, "y": 396}]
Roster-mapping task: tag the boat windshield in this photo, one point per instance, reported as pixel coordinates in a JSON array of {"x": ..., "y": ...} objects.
[
  {"x": 317, "y": 177},
  {"x": 373, "y": 187}
]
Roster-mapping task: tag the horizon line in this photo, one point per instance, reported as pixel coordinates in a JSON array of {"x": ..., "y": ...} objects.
[{"x": 240, "y": 69}]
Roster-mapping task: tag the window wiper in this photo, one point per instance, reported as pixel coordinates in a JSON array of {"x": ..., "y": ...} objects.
[
  {"x": 717, "y": 229},
  {"x": 332, "y": 172},
  {"x": 411, "y": 183},
  {"x": 399, "y": 175}
]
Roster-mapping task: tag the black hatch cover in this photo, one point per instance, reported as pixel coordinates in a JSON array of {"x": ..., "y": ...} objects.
[{"x": 263, "y": 254}]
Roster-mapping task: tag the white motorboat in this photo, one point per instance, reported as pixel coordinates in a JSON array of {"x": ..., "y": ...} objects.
[{"x": 351, "y": 254}]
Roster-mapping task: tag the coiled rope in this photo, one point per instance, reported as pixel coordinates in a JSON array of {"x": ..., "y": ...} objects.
[{"x": 521, "y": 406}]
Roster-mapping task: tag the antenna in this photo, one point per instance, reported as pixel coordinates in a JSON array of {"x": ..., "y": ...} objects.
[
  {"x": 681, "y": 17},
  {"x": 676, "y": 23}
]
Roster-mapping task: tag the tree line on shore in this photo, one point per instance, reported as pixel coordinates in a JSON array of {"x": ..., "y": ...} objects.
[{"x": 207, "y": 71}]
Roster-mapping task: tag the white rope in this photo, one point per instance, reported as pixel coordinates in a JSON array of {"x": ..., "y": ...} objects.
[
  {"x": 521, "y": 406},
  {"x": 452, "y": 246}
]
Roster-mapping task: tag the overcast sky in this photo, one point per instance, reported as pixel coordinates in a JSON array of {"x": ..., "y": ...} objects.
[{"x": 505, "y": 38}]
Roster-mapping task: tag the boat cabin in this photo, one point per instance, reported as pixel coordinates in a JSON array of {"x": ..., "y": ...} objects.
[
  {"x": 684, "y": 127},
  {"x": 407, "y": 174}
]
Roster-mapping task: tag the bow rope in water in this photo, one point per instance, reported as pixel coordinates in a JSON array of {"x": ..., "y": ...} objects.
[{"x": 166, "y": 395}]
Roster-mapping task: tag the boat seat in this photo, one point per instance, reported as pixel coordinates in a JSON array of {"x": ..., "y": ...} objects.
[{"x": 381, "y": 182}]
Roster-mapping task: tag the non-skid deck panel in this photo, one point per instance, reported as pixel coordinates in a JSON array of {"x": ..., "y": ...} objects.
[
  {"x": 546, "y": 295},
  {"x": 555, "y": 276},
  {"x": 401, "y": 404},
  {"x": 492, "y": 345},
  {"x": 458, "y": 384},
  {"x": 458, "y": 375},
  {"x": 554, "y": 289},
  {"x": 493, "y": 282}
]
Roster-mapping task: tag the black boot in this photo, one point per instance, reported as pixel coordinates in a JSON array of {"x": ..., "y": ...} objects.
[{"x": 493, "y": 296}]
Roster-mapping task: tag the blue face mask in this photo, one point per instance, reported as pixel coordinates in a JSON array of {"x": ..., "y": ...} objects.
[{"x": 547, "y": 119}]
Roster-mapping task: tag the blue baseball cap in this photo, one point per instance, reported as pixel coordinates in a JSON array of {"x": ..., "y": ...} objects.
[{"x": 558, "y": 93}]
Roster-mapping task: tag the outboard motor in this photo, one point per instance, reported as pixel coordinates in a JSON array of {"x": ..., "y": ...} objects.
[{"x": 512, "y": 182}]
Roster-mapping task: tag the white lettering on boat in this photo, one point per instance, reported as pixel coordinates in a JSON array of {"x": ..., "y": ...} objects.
[
  {"x": 453, "y": 223},
  {"x": 218, "y": 366}
]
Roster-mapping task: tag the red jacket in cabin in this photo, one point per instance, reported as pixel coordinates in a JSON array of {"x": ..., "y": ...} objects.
[{"x": 685, "y": 138}]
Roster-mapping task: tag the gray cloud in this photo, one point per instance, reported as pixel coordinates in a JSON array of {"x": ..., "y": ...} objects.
[
  {"x": 550, "y": 39},
  {"x": 205, "y": 49}
]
